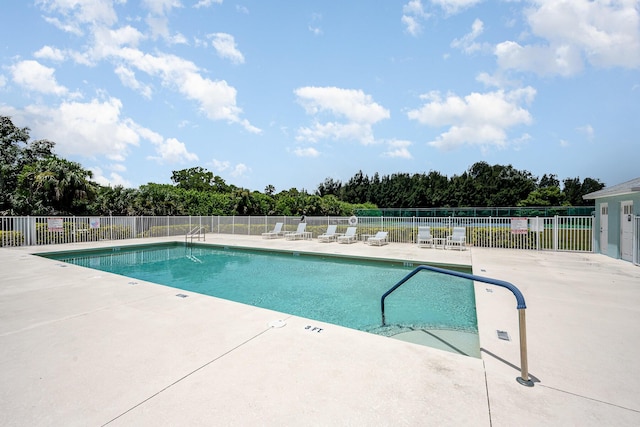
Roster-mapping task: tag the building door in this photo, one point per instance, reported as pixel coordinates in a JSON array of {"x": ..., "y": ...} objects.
[
  {"x": 604, "y": 228},
  {"x": 626, "y": 230}
]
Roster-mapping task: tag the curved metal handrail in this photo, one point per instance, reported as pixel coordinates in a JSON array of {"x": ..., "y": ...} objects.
[{"x": 521, "y": 306}]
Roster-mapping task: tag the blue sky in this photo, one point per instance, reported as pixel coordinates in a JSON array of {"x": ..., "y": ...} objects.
[{"x": 288, "y": 93}]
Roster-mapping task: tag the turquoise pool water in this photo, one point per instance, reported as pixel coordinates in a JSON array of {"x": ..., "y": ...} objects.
[{"x": 341, "y": 291}]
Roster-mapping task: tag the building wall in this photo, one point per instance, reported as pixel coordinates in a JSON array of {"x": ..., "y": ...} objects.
[{"x": 613, "y": 246}]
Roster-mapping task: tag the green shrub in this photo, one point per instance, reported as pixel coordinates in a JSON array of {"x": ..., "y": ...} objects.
[{"x": 11, "y": 238}]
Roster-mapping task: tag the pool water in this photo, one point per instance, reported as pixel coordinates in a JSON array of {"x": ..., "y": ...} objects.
[{"x": 342, "y": 291}]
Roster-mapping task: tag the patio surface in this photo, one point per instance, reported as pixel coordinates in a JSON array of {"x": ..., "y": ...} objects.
[{"x": 88, "y": 348}]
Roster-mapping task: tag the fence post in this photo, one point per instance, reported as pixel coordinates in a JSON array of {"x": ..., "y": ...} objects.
[
  {"x": 490, "y": 232},
  {"x": 555, "y": 233},
  {"x": 31, "y": 229},
  {"x": 413, "y": 227}
]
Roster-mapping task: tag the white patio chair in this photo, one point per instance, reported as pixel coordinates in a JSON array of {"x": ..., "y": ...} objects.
[
  {"x": 378, "y": 240},
  {"x": 298, "y": 234},
  {"x": 424, "y": 237},
  {"x": 329, "y": 235},
  {"x": 458, "y": 238},
  {"x": 349, "y": 236},
  {"x": 276, "y": 232}
]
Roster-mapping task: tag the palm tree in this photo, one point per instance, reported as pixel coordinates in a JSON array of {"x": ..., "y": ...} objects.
[{"x": 58, "y": 183}]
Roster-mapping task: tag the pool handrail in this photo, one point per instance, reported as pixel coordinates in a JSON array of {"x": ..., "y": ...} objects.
[
  {"x": 195, "y": 231},
  {"x": 521, "y": 307}
]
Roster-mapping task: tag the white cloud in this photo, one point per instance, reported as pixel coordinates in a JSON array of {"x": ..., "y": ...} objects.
[
  {"x": 73, "y": 28},
  {"x": 497, "y": 80},
  {"x": 468, "y": 42},
  {"x": 118, "y": 167},
  {"x": 48, "y": 52},
  {"x": 357, "y": 108},
  {"x": 398, "y": 148},
  {"x": 173, "y": 151},
  {"x": 604, "y": 32},
  {"x": 412, "y": 16},
  {"x": 235, "y": 171},
  {"x": 220, "y": 166},
  {"x": 239, "y": 170},
  {"x": 85, "y": 129},
  {"x": 563, "y": 60},
  {"x": 158, "y": 21},
  {"x": 36, "y": 77},
  {"x": 564, "y": 143},
  {"x": 96, "y": 129},
  {"x": 128, "y": 79},
  {"x": 480, "y": 119},
  {"x": 216, "y": 98},
  {"x": 226, "y": 48},
  {"x": 455, "y": 6},
  {"x": 314, "y": 26},
  {"x": 79, "y": 12},
  {"x": 206, "y": 3},
  {"x": 161, "y": 7},
  {"x": 306, "y": 152},
  {"x": 3, "y": 81},
  {"x": 588, "y": 131},
  {"x": 112, "y": 180}
]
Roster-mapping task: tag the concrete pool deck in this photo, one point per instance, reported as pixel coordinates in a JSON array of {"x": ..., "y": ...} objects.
[{"x": 84, "y": 347}]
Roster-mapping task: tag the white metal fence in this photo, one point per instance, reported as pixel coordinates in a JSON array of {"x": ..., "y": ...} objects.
[{"x": 559, "y": 233}]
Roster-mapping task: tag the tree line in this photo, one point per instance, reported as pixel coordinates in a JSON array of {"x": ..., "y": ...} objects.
[
  {"x": 482, "y": 185},
  {"x": 36, "y": 181}
]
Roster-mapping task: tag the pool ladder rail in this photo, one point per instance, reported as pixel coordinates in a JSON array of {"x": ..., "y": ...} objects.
[
  {"x": 523, "y": 379},
  {"x": 196, "y": 232}
]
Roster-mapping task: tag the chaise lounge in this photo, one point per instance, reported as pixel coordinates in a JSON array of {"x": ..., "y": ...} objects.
[
  {"x": 349, "y": 237},
  {"x": 378, "y": 240},
  {"x": 299, "y": 233},
  {"x": 276, "y": 232},
  {"x": 329, "y": 235}
]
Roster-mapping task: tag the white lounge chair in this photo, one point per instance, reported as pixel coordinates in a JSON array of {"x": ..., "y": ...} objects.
[
  {"x": 424, "y": 237},
  {"x": 299, "y": 233},
  {"x": 378, "y": 240},
  {"x": 458, "y": 238},
  {"x": 349, "y": 236},
  {"x": 276, "y": 232},
  {"x": 329, "y": 235}
]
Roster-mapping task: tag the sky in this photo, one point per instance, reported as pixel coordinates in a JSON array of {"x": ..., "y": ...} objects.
[{"x": 289, "y": 93}]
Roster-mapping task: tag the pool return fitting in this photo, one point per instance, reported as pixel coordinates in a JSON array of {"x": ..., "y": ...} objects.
[{"x": 521, "y": 306}]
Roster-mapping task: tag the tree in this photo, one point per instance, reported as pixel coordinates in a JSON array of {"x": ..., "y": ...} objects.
[
  {"x": 545, "y": 196},
  {"x": 196, "y": 178},
  {"x": 15, "y": 153},
  {"x": 355, "y": 190},
  {"x": 114, "y": 201},
  {"x": 329, "y": 187},
  {"x": 269, "y": 190},
  {"x": 550, "y": 180},
  {"x": 574, "y": 190},
  {"x": 55, "y": 185},
  {"x": 500, "y": 185}
]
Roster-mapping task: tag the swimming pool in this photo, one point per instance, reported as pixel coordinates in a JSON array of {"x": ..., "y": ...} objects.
[{"x": 341, "y": 291}]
